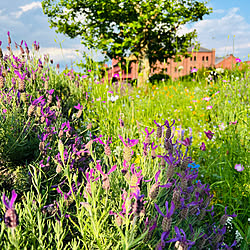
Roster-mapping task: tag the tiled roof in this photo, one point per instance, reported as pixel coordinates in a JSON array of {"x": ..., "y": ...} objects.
[
  {"x": 201, "y": 49},
  {"x": 220, "y": 59}
]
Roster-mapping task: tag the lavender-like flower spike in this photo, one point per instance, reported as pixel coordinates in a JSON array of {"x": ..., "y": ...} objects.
[
  {"x": 167, "y": 124},
  {"x": 147, "y": 132},
  {"x": 10, "y": 216},
  {"x": 130, "y": 143},
  {"x": 9, "y": 204},
  {"x": 169, "y": 213},
  {"x": 224, "y": 217},
  {"x": 105, "y": 178},
  {"x": 181, "y": 239},
  {"x": 170, "y": 159},
  {"x": 22, "y": 77},
  {"x": 157, "y": 176},
  {"x": 50, "y": 92},
  {"x": 79, "y": 106},
  {"x": 153, "y": 147},
  {"x": 138, "y": 205}
]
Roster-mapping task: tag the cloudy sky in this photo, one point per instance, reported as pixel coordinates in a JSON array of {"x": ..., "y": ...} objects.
[{"x": 227, "y": 29}]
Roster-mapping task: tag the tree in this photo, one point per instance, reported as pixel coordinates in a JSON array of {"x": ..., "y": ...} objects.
[{"x": 145, "y": 28}]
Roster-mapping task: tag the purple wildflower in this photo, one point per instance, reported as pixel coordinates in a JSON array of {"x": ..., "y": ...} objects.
[
  {"x": 79, "y": 107},
  {"x": 181, "y": 238},
  {"x": 10, "y": 216},
  {"x": 147, "y": 132},
  {"x": 169, "y": 211},
  {"x": 130, "y": 143},
  {"x": 194, "y": 70},
  {"x": 239, "y": 167},
  {"x": 105, "y": 178},
  {"x": 186, "y": 142},
  {"x": 203, "y": 146},
  {"x": 209, "y": 134},
  {"x": 238, "y": 60}
]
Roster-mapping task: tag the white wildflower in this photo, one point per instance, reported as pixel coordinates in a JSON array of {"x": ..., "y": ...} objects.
[{"x": 219, "y": 70}]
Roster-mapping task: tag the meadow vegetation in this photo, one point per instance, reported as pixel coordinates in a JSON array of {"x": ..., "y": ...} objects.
[{"x": 90, "y": 164}]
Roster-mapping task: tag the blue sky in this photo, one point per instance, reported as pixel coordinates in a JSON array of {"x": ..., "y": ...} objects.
[{"x": 229, "y": 25}]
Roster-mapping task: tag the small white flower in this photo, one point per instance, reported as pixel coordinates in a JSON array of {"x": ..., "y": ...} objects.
[
  {"x": 219, "y": 70},
  {"x": 113, "y": 98}
]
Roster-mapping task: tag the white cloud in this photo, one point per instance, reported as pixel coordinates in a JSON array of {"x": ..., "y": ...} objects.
[
  {"x": 26, "y": 8},
  {"x": 59, "y": 55},
  {"x": 228, "y": 34},
  {"x": 219, "y": 11}
]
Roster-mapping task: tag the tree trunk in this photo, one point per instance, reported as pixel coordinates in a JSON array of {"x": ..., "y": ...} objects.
[{"x": 144, "y": 69}]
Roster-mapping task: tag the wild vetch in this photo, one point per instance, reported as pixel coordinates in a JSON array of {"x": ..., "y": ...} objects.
[
  {"x": 10, "y": 216},
  {"x": 167, "y": 219}
]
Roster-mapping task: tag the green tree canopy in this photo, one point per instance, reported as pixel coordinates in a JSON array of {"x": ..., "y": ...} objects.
[{"x": 145, "y": 28}]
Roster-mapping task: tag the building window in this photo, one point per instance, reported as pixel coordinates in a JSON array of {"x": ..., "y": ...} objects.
[
  {"x": 191, "y": 58},
  {"x": 194, "y": 58},
  {"x": 191, "y": 68},
  {"x": 203, "y": 58},
  {"x": 207, "y": 58},
  {"x": 129, "y": 70}
]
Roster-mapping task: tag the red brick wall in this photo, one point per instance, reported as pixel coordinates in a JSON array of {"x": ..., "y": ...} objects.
[
  {"x": 227, "y": 63},
  {"x": 198, "y": 60}
]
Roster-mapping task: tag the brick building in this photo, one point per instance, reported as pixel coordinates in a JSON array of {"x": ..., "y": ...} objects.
[{"x": 202, "y": 58}]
